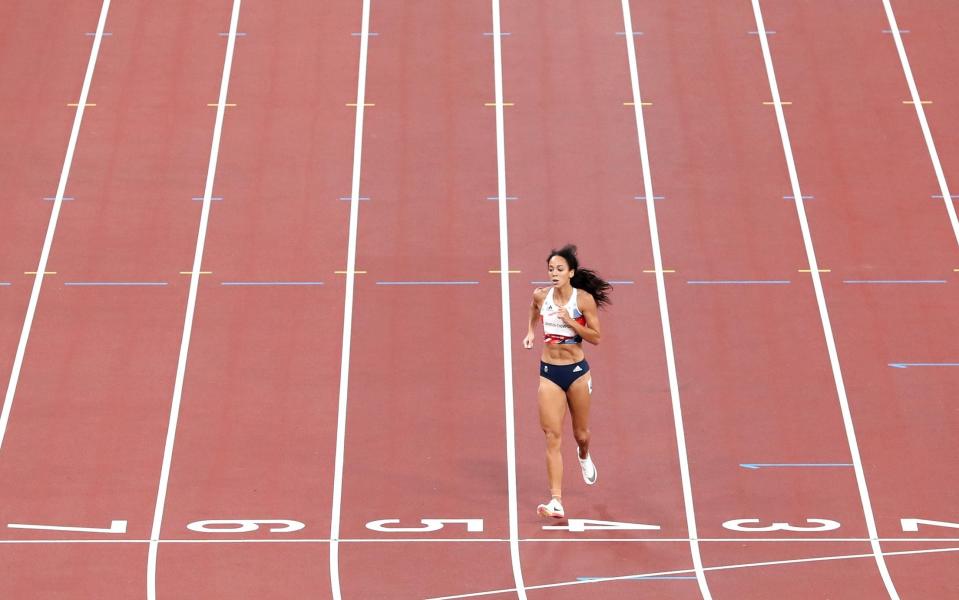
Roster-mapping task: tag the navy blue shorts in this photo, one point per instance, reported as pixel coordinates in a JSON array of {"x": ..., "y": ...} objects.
[{"x": 564, "y": 375}]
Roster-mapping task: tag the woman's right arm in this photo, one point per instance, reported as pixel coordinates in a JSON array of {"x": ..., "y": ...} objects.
[{"x": 539, "y": 294}]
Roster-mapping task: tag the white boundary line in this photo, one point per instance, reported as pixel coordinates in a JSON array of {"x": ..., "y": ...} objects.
[
  {"x": 52, "y": 225},
  {"x": 921, "y": 113},
  {"x": 475, "y": 540},
  {"x": 504, "y": 286},
  {"x": 190, "y": 308},
  {"x": 823, "y": 311},
  {"x": 772, "y": 563},
  {"x": 348, "y": 307},
  {"x": 663, "y": 307}
]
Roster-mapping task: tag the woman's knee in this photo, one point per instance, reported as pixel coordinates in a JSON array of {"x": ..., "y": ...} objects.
[
  {"x": 582, "y": 436},
  {"x": 553, "y": 438}
]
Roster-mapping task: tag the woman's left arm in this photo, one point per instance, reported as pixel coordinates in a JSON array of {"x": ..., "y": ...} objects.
[{"x": 586, "y": 305}]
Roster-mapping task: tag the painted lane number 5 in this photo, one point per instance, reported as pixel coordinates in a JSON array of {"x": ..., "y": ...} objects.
[{"x": 472, "y": 525}]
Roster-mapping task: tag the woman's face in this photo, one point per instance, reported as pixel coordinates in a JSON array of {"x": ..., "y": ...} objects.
[{"x": 559, "y": 272}]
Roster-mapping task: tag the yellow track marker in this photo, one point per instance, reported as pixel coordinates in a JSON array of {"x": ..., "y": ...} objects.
[
  {"x": 344, "y": 272},
  {"x": 920, "y": 102},
  {"x": 77, "y": 104},
  {"x": 354, "y": 104},
  {"x": 773, "y": 103},
  {"x": 494, "y": 104},
  {"x": 498, "y": 271},
  {"x": 654, "y": 270},
  {"x": 198, "y": 272},
  {"x": 818, "y": 270},
  {"x": 34, "y": 272},
  {"x": 634, "y": 104},
  {"x": 217, "y": 104}
]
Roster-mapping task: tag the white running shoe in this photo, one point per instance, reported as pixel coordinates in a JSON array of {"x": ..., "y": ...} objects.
[
  {"x": 589, "y": 469},
  {"x": 553, "y": 509}
]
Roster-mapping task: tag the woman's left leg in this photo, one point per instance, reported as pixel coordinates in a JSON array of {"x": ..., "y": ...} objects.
[{"x": 578, "y": 397}]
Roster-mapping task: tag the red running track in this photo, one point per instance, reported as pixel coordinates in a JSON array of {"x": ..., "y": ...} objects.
[{"x": 424, "y": 433}]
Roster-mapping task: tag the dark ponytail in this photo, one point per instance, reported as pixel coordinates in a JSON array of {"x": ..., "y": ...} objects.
[{"x": 584, "y": 279}]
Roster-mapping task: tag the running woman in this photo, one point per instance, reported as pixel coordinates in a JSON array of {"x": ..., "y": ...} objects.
[{"x": 568, "y": 310}]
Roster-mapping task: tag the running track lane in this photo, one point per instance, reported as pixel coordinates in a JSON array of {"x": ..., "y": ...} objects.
[
  {"x": 574, "y": 168},
  {"x": 929, "y": 46},
  {"x": 860, "y": 151},
  {"x": 40, "y": 75},
  {"x": 744, "y": 312},
  {"x": 85, "y": 438},
  {"x": 259, "y": 404},
  {"x": 425, "y": 428}
]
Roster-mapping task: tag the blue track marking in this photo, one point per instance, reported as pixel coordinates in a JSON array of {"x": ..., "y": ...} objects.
[
  {"x": 427, "y": 283},
  {"x": 738, "y": 282},
  {"x": 907, "y": 365},
  {"x": 623, "y": 33},
  {"x": 238, "y": 34},
  {"x": 53, "y": 198},
  {"x": 116, "y": 283},
  {"x": 502, "y": 33},
  {"x": 643, "y": 198},
  {"x": 213, "y": 198},
  {"x": 756, "y": 466},
  {"x": 894, "y": 281},
  {"x": 804, "y": 197},
  {"x": 268, "y": 283},
  {"x": 359, "y": 33},
  {"x": 900, "y": 31},
  {"x": 94, "y": 33},
  {"x": 640, "y": 578},
  {"x": 4, "y": 283},
  {"x": 767, "y": 32},
  {"x": 940, "y": 196},
  {"x": 348, "y": 198},
  {"x": 507, "y": 197}
]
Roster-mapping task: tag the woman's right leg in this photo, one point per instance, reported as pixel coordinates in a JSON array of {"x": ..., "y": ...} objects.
[{"x": 552, "y": 410}]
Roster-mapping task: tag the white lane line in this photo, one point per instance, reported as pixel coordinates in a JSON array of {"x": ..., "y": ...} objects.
[
  {"x": 348, "y": 307},
  {"x": 505, "y": 305},
  {"x": 923, "y": 123},
  {"x": 190, "y": 308},
  {"x": 471, "y": 540},
  {"x": 823, "y": 312},
  {"x": 663, "y": 308},
  {"x": 52, "y": 225},
  {"x": 772, "y": 563}
]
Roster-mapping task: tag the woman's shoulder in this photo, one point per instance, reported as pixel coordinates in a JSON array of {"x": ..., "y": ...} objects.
[
  {"x": 584, "y": 296},
  {"x": 581, "y": 293}
]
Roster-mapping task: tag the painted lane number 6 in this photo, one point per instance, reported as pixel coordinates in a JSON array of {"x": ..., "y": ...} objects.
[{"x": 244, "y": 525}]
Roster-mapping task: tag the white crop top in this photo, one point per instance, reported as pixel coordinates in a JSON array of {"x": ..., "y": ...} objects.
[{"x": 554, "y": 330}]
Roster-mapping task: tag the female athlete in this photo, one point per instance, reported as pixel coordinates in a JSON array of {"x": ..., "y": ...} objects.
[{"x": 568, "y": 310}]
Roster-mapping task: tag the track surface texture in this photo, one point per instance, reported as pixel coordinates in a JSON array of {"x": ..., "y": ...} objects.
[{"x": 265, "y": 269}]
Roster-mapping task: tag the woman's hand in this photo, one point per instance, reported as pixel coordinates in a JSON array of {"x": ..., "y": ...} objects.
[
  {"x": 563, "y": 316},
  {"x": 528, "y": 340}
]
